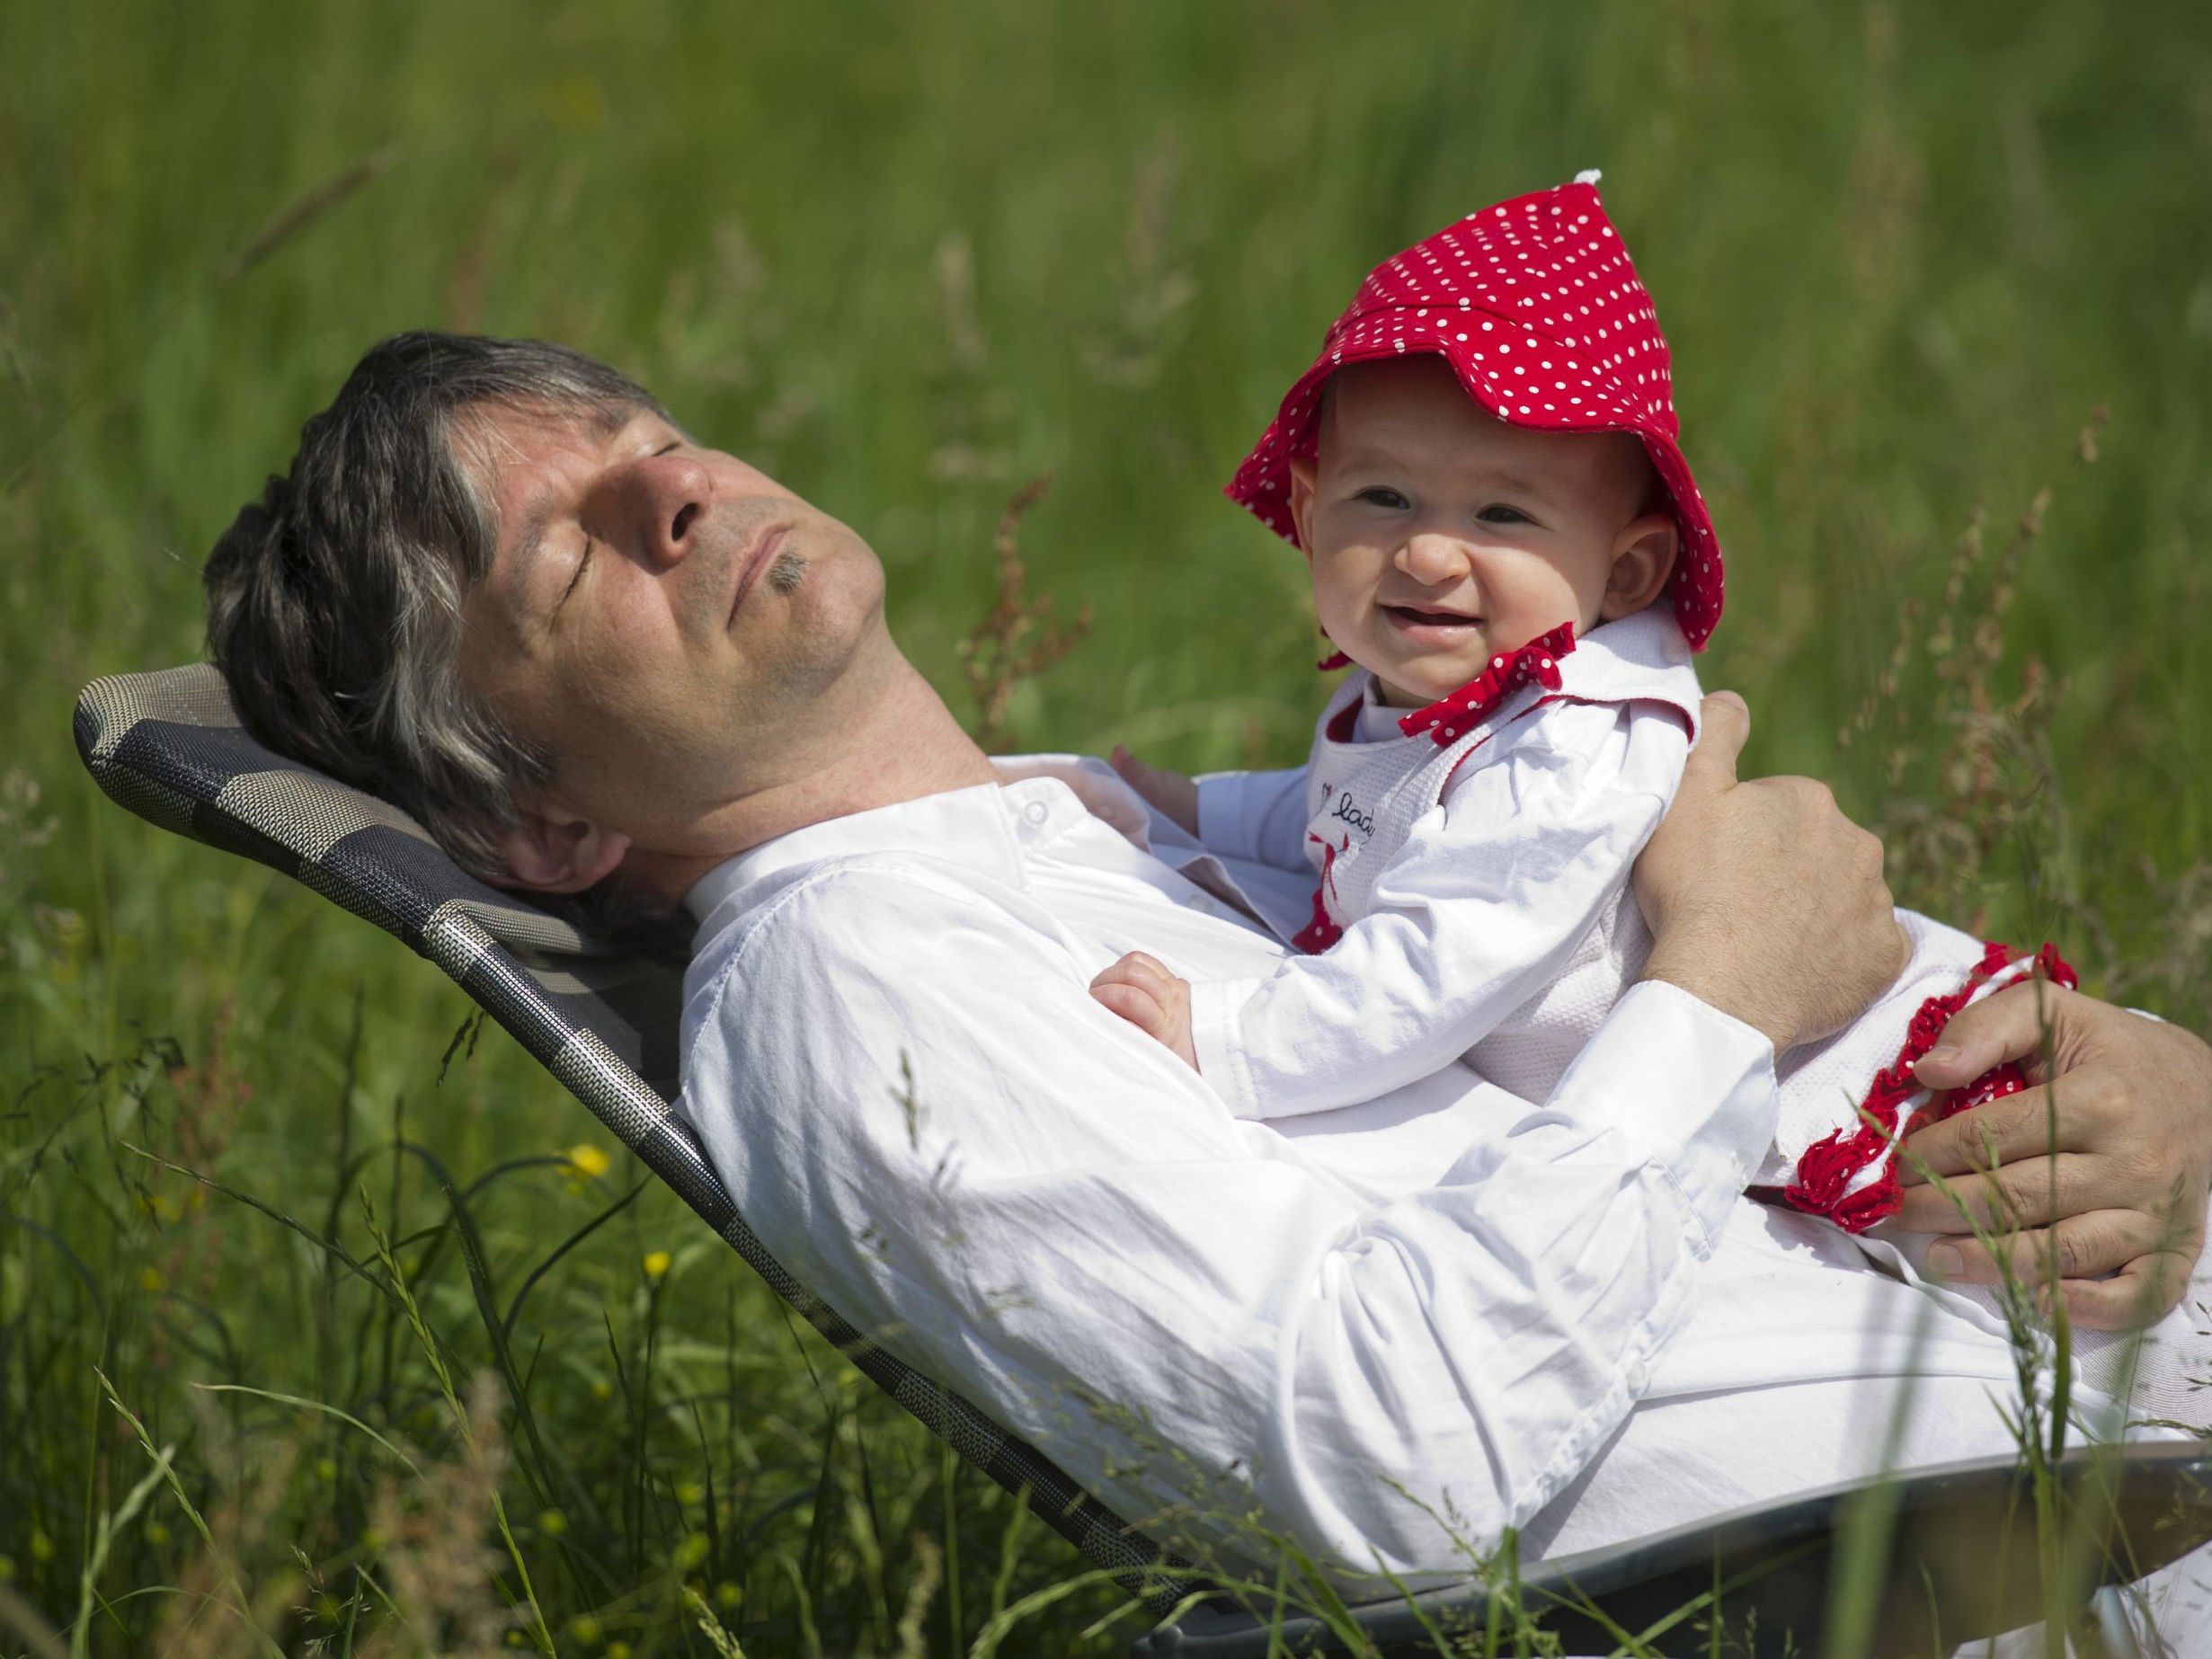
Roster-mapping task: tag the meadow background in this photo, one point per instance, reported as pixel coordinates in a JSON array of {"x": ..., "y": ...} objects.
[{"x": 908, "y": 257}]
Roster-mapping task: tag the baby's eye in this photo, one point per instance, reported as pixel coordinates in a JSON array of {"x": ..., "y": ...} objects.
[
  {"x": 1497, "y": 512},
  {"x": 1381, "y": 495}
]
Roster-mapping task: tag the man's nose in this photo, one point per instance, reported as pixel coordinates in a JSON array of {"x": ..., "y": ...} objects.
[
  {"x": 666, "y": 497},
  {"x": 1433, "y": 559}
]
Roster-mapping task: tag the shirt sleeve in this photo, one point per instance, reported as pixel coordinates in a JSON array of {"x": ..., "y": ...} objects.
[
  {"x": 923, "y": 1114},
  {"x": 1477, "y": 912},
  {"x": 1259, "y": 817}
]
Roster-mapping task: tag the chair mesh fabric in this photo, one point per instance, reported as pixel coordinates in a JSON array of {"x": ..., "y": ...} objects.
[{"x": 170, "y": 747}]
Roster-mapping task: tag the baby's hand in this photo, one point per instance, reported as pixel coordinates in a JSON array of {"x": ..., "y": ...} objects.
[
  {"x": 1170, "y": 793},
  {"x": 1152, "y": 1000}
]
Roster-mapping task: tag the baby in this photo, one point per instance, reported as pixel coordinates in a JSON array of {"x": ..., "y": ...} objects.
[{"x": 1482, "y": 472}]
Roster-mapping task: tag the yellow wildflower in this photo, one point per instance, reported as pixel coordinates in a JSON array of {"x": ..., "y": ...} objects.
[
  {"x": 657, "y": 1263},
  {"x": 587, "y": 1160}
]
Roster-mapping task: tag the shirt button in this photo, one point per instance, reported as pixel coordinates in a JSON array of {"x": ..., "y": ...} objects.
[{"x": 1034, "y": 812}]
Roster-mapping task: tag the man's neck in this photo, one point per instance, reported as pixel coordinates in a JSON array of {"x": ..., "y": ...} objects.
[{"x": 901, "y": 744}]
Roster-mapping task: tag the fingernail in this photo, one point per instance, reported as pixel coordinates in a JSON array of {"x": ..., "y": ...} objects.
[
  {"x": 1731, "y": 699},
  {"x": 1941, "y": 1054},
  {"x": 1944, "y": 1262}
]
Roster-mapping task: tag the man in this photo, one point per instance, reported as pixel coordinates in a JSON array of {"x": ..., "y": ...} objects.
[{"x": 500, "y": 587}]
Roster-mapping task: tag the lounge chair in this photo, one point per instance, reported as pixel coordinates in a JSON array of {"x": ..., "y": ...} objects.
[{"x": 170, "y": 747}]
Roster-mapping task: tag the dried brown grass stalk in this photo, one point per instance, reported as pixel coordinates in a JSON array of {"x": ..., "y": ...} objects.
[
  {"x": 440, "y": 1561},
  {"x": 302, "y": 211},
  {"x": 1019, "y": 637},
  {"x": 1966, "y": 760}
]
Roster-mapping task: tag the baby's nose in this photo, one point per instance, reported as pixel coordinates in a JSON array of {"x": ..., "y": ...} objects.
[{"x": 1431, "y": 560}]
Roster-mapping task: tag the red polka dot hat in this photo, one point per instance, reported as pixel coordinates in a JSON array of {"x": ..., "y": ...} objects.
[{"x": 1535, "y": 306}]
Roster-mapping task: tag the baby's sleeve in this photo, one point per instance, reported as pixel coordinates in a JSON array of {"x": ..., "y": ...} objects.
[
  {"x": 1258, "y": 817},
  {"x": 1476, "y": 913}
]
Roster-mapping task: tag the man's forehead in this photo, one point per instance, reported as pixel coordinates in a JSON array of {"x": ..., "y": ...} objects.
[{"x": 517, "y": 454}]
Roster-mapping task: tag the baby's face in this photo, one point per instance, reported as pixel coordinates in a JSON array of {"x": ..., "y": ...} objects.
[{"x": 1440, "y": 536}]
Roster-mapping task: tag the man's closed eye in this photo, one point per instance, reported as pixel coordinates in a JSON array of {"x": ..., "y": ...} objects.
[{"x": 583, "y": 564}]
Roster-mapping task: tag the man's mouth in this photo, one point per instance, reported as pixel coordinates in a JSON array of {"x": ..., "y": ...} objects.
[{"x": 753, "y": 561}]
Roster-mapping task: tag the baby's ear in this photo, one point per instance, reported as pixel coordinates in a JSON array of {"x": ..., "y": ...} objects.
[
  {"x": 1643, "y": 558},
  {"x": 1303, "y": 471}
]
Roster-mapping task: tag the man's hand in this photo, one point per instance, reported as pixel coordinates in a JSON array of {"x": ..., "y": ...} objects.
[
  {"x": 1171, "y": 794},
  {"x": 1142, "y": 990},
  {"x": 1763, "y": 900},
  {"x": 2122, "y": 1189}
]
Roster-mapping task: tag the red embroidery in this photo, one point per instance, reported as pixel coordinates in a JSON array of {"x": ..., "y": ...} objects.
[
  {"x": 1449, "y": 719},
  {"x": 1317, "y": 935},
  {"x": 1828, "y": 1166}
]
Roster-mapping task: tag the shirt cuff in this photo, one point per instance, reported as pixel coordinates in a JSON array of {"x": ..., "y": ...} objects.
[
  {"x": 1215, "y": 1005},
  {"x": 1693, "y": 1086}
]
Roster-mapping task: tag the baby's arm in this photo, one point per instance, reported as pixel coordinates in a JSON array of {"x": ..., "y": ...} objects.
[
  {"x": 1477, "y": 912},
  {"x": 1257, "y": 816}
]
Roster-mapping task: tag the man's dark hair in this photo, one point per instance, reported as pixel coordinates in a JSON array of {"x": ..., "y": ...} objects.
[{"x": 334, "y": 600}]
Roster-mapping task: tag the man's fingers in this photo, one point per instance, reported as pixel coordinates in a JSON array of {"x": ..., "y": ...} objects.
[
  {"x": 2008, "y": 1025},
  {"x": 2085, "y": 1246},
  {"x": 2140, "y": 1293},
  {"x": 1725, "y": 725},
  {"x": 1999, "y": 1132},
  {"x": 2029, "y": 1194}
]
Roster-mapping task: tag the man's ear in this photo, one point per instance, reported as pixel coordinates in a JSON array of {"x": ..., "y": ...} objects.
[
  {"x": 1304, "y": 469},
  {"x": 552, "y": 852},
  {"x": 1643, "y": 558}
]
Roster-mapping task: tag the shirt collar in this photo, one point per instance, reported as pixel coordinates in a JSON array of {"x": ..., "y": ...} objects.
[
  {"x": 986, "y": 827},
  {"x": 1641, "y": 658}
]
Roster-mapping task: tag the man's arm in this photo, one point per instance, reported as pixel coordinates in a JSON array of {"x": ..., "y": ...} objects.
[{"x": 2126, "y": 1192}]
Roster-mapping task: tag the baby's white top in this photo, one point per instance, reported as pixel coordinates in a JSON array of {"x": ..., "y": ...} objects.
[{"x": 1467, "y": 876}]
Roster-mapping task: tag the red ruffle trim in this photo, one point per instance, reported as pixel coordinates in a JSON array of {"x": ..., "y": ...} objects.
[
  {"x": 1825, "y": 1171},
  {"x": 1448, "y": 719}
]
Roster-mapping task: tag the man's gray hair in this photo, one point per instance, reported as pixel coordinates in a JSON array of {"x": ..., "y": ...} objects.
[{"x": 334, "y": 600}]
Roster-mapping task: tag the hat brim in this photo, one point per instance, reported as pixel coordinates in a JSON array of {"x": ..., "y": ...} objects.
[{"x": 1522, "y": 378}]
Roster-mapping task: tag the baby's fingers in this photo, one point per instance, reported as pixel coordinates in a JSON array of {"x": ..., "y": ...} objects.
[
  {"x": 1134, "y": 1003},
  {"x": 1135, "y": 988}
]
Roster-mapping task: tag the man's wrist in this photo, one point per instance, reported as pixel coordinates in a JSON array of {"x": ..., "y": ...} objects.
[{"x": 1703, "y": 975}]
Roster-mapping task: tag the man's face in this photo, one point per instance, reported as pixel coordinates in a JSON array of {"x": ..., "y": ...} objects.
[{"x": 667, "y": 622}]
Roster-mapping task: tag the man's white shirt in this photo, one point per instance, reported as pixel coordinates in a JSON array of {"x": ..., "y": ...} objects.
[{"x": 1399, "y": 1327}]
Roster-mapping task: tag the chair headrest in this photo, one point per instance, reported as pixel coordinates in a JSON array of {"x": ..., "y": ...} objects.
[{"x": 171, "y": 747}]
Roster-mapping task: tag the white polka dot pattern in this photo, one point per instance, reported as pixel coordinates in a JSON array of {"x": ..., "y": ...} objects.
[{"x": 1536, "y": 307}]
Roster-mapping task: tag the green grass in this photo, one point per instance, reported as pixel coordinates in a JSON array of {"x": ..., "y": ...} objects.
[{"x": 907, "y": 257}]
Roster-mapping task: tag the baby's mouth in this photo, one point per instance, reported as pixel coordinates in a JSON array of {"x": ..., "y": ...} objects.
[{"x": 1420, "y": 617}]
